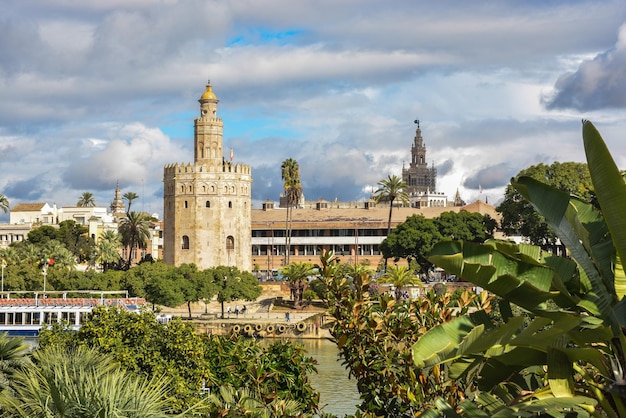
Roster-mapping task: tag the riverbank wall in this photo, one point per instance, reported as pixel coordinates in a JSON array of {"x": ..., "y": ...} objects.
[{"x": 300, "y": 325}]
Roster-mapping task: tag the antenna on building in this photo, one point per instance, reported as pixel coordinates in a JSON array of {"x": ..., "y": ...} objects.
[{"x": 417, "y": 122}]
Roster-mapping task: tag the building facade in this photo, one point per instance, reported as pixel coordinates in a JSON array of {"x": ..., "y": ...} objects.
[
  {"x": 420, "y": 179},
  {"x": 208, "y": 203},
  {"x": 353, "y": 232}
]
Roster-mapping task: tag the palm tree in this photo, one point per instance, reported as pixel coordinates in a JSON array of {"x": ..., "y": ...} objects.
[
  {"x": 400, "y": 276},
  {"x": 297, "y": 274},
  {"x": 13, "y": 357},
  {"x": 108, "y": 249},
  {"x": 4, "y": 203},
  {"x": 290, "y": 174},
  {"x": 86, "y": 200},
  {"x": 135, "y": 232},
  {"x": 360, "y": 274},
  {"x": 130, "y": 196},
  {"x": 390, "y": 189},
  {"x": 63, "y": 258},
  {"x": 83, "y": 382}
]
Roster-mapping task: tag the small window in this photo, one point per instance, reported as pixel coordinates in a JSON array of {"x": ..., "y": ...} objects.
[
  {"x": 230, "y": 205},
  {"x": 208, "y": 204},
  {"x": 185, "y": 243},
  {"x": 186, "y": 204},
  {"x": 230, "y": 243}
]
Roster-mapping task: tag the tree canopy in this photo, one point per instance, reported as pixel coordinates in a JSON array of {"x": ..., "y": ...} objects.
[
  {"x": 518, "y": 215},
  {"x": 412, "y": 240}
]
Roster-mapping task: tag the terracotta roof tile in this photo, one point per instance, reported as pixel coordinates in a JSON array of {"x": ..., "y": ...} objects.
[{"x": 28, "y": 207}]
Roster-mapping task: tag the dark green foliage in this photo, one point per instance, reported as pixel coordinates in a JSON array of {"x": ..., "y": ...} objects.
[
  {"x": 278, "y": 371},
  {"x": 42, "y": 234},
  {"x": 518, "y": 215},
  {"x": 76, "y": 240},
  {"x": 233, "y": 284},
  {"x": 146, "y": 348},
  {"x": 141, "y": 345},
  {"x": 412, "y": 240},
  {"x": 469, "y": 226}
]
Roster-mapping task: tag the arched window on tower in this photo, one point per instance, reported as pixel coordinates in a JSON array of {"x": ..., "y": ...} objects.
[
  {"x": 208, "y": 204},
  {"x": 230, "y": 204},
  {"x": 230, "y": 243},
  {"x": 185, "y": 242}
]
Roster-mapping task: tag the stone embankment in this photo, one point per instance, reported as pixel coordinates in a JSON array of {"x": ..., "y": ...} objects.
[{"x": 266, "y": 317}]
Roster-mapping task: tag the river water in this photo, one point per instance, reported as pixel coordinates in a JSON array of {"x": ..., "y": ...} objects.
[{"x": 337, "y": 392}]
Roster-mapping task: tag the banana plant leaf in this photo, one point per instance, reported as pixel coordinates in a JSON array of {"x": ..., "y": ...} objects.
[
  {"x": 610, "y": 189},
  {"x": 522, "y": 280},
  {"x": 584, "y": 234}
]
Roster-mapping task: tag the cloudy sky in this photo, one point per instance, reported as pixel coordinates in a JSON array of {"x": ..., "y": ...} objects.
[{"x": 94, "y": 92}]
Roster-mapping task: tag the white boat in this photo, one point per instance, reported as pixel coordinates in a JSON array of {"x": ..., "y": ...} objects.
[{"x": 26, "y": 316}]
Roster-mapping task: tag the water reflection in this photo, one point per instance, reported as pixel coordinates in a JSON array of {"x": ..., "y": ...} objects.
[{"x": 337, "y": 392}]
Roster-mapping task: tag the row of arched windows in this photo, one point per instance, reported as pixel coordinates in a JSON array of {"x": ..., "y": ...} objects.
[
  {"x": 230, "y": 242},
  {"x": 207, "y": 204}
]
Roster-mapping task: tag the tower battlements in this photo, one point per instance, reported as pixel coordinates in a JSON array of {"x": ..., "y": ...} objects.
[{"x": 226, "y": 167}]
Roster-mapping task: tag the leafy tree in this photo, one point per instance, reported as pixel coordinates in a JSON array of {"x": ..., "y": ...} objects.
[
  {"x": 4, "y": 203},
  {"x": 42, "y": 234},
  {"x": 135, "y": 232},
  {"x": 272, "y": 373},
  {"x": 412, "y": 240},
  {"x": 389, "y": 190},
  {"x": 518, "y": 215},
  {"x": 233, "y": 284},
  {"x": 297, "y": 274},
  {"x": 375, "y": 335},
  {"x": 144, "y": 347},
  {"x": 290, "y": 174},
  {"x": 466, "y": 226},
  {"x": 195, "y": 285},
  {"x": 229, "y": 401},
  {"x": 76, "y": 239},
  {"x": 81, "y": 382},
  {"x": 130, "y": 196},
  {"x": 400, "y": 277},
  {"x": 86, "y": 200},
  {"x": 566, "y": 356}
]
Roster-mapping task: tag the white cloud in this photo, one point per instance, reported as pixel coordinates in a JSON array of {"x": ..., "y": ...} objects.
[{"x": 94, "y": 91}]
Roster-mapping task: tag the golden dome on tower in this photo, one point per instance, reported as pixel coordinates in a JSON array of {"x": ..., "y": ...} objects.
[{"x": 208, "y": 93}]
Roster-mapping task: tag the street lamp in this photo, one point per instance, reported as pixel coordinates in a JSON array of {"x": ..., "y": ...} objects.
[
  {"x": 4, "y": 263},
  {"x": 45, "y": 272}
]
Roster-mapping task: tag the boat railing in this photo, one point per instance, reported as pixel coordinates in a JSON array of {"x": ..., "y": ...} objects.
[{"x": 131, "y": 303}]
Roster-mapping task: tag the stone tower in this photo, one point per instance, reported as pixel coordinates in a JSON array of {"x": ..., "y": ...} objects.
[
  {"x": 419, "y": 177},
  {"x": 207, "y": 210},
  {"x": 117, "y": 205}
]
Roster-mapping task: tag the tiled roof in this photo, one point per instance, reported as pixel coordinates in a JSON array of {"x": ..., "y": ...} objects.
[
  {"x": 371, "y": 215},
  {"x": 28, "y": 207}
]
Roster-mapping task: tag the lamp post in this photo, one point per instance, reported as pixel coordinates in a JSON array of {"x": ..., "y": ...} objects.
[
  {"x": 4, "y": 263},
  {"x": 45, "y": 272}
]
